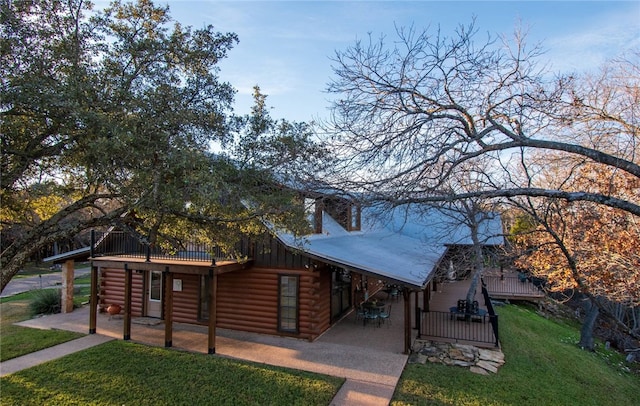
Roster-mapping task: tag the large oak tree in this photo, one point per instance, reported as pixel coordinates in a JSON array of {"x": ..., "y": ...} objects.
[
  {"x": 408, "y": 113},
  {"x": 110, "y": 117},
  {"x": 411, "y": 114}
]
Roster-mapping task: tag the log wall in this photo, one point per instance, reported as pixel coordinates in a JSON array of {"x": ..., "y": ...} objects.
[
  {"x": 186, "y": 302},
  {"x": 112, "y": 290},
  {"x": 247, "y": 299}
]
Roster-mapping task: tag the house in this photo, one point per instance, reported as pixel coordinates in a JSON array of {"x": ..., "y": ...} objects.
[{"x": 288, "y": 286}]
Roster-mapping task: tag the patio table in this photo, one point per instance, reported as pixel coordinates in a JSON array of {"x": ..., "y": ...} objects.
[{"x": 479, "y": 315}]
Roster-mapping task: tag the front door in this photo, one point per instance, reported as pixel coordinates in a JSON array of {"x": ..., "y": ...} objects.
[
  {"x": 154, "y": 294},
  {"x": 340, "y": 294}
]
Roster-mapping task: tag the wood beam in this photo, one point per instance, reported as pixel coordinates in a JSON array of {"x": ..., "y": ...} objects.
[
  {"x": 416, "y": 311},
  {"x": 213, "y": 292},
  {"x": 183, "y": 267},
  {"x": 93, "y": 300},
  {"x": 128, "y": 279},
  {"x": 168, "y": 313},
  {"x": 67, "y": 286},
  {"x": 406, "y": 293},
  {"x": 426, "y": 297}
]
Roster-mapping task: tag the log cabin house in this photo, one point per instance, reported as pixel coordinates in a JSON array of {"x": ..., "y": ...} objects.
[{"x": 287, "y": 286}]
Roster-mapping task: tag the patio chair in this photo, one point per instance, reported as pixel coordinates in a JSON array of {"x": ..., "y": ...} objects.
[
  {"x": 371, "y": 316},
  {"x": 360, "y": 313},
  {"x": 475, "y": 313},
  {"x": 394, "y": 294},
  {"x": 461, "y": 309},
  {"x": 385, "y": 315}
]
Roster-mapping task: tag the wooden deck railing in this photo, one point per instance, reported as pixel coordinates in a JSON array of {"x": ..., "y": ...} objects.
[
  {"x": 511, "y": 287},
  {"x": 445, "y": 325}
]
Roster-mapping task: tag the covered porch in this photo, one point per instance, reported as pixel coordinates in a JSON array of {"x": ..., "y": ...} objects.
[
  {"x": 440, "y": 319},
  {"x": 348, "y": 333},
  {"x": 167, "y": 268},
  {"x": 440, "y": 322}
]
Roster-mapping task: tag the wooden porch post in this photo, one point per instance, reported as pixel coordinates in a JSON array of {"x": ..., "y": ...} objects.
[
  {"x": 213, "y": 291},
  {"x": 416, "y": 309},
  {"x": 126, "y": 335},
  {"x": 168, "y": 312},
  {"x": 426, "y": 297},
  {"x": 93, "y": 301},
  {"x": 67, "y": 286},
  {"x": 407, "y": 320}
]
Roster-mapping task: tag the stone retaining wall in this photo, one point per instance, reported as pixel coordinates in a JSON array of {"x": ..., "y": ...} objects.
[{"x": 478, "y": 360}]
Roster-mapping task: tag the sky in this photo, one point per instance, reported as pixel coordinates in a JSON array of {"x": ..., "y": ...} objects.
[{"x": 286, "y": 46}]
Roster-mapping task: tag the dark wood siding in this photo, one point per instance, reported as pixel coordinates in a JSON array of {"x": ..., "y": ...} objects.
[
  {"x": 248, "y": 300},
  {"x": 185, "y": 303},
  {"x": 268, "y": 252},
  {"x": 112, "y": 290}
]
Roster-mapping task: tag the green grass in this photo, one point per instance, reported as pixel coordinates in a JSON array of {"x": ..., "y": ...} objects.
[
  {"x": 543, "y": 367},
  {"x": 16, "y": 341},
  {"x": 122, "y": 373}
]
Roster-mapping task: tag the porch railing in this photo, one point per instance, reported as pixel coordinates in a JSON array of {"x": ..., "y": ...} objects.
[
  {"x": 511, "y": 286},
  {"x": 476, "y": 328},
  {"x": 449, "y": 326},
  {"x": 122, "y": 244}
]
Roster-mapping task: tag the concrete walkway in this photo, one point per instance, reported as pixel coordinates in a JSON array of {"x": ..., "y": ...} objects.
[{"x": 369, "y": 357}]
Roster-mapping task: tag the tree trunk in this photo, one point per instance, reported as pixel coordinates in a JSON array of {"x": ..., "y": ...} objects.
[
  {"x": 586, "y": 332},
  {"x": 471, "y": 293},
  {"x": 478, "y": 264}
]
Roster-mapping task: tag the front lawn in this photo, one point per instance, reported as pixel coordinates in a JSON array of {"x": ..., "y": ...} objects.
[
  {"x": 124, "y": 373},
  {"x": 15, "y": 340},
  {"x": 543, "y": 367}
]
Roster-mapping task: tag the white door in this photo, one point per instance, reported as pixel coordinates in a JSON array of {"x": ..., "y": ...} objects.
[{"x": 154, "y": 294}]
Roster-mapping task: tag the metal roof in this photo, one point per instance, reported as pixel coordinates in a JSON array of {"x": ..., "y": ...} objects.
[
  {"x": 404, "y": 245},
  {"x": 79, "y": 254}
]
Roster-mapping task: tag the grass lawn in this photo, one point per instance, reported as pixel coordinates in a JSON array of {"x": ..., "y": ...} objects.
[
  {"x": 16, "y": 341},
  {"x": 122, "y": 373},
  {"x": 543, "y": 367}
]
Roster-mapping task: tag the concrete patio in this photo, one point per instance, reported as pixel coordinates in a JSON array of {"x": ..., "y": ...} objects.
[{"x": 368, "y": 356}]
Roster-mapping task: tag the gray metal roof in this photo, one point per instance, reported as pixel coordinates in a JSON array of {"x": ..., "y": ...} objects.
[
  {"x": 79, "y": 254},
  {"x": 404, "y": 245}
]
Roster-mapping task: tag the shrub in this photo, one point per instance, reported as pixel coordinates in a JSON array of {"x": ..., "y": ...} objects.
[{"x": 46, "y": 301}]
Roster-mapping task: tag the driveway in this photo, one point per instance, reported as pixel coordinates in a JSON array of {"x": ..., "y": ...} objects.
[{"x": 48, "y": 280}]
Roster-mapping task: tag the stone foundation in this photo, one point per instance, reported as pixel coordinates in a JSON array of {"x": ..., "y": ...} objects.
[{"x": 478, "y": 360}]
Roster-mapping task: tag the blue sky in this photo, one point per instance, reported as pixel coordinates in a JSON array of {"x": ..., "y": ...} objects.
[{"x": 285, "y": 46}]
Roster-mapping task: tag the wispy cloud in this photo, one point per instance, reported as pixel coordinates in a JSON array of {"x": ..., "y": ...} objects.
[{"x": 599, "y": 39}]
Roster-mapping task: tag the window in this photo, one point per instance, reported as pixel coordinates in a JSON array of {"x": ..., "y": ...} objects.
[
  {"x": 155, "y": 282},
  {"x": 354, "y": 217},
  {"x": 288, "y": 303}
]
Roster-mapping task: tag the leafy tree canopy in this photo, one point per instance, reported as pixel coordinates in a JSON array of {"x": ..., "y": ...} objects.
[{"x": 114, "y": 112}]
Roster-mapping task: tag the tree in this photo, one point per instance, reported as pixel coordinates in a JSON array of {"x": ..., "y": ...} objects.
[
  {"x": 406, "y": 117},
  {"x": 474, "y": 213},
  {"x": 580, "y": 246},
  {"x": 119, "y": 111}
]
